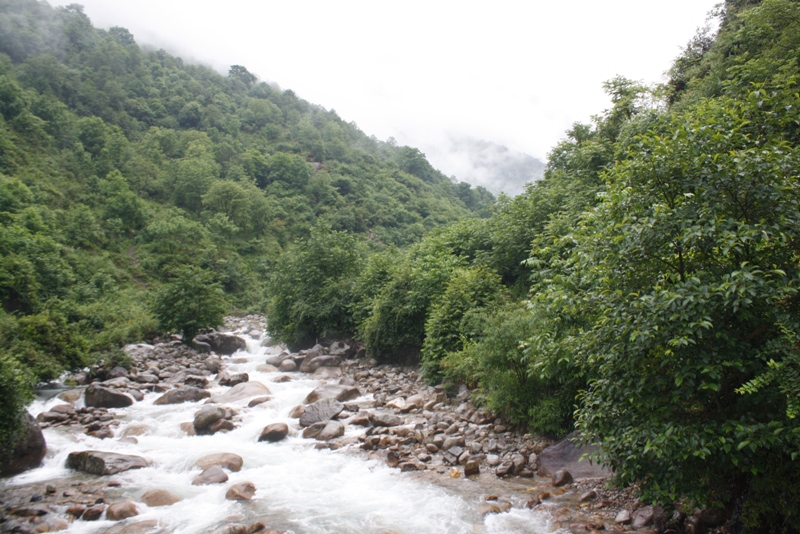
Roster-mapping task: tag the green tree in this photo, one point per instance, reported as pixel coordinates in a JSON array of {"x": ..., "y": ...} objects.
[{"x": 189, "y": 302}]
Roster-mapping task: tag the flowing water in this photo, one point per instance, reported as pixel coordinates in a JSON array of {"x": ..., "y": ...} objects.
[{"x": 299, "y": 489}]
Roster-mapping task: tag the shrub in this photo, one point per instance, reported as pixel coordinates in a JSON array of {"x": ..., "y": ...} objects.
[{"x": 190, "y": 302}]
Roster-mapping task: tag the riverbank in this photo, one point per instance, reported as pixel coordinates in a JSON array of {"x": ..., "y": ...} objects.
[{"x": 374, "y": 415}]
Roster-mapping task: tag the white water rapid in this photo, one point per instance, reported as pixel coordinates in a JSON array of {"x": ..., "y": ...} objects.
[{"x": 299, "y": 489}]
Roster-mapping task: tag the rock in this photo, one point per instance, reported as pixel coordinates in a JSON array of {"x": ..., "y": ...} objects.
[
  {"x": 321, "y": 410},
  {"x": 392, "y": 460},
  {"x": 259, "y": 400},
  {"x": 228, "y": 460},
  {"x": 28, "y": 451},
  {"x": 72, "y": 396},
  {"x": 242, "y": 491},
  {"x": 225, "y": 344},
  {"x": 266, "y": 368},
  {"x": 241, "y": 392},
  {"x": 210, "y": 475},
  {"x": 213, "y": 364},
  {"x": 159, "y": 497},
  {"x": 398, "y": 404},
  {"x": 276, "y": 359},
  {"x": 97, "y": 396},
  {"x": 287, "y": 366},
  {"x": 385, "y": 419},
  {"x": 562, "y": 478},
  {"x": 274, "y": 432},
  {"x": 360, "y": 419},
  {"x": 311, "y": 364},
  {"x": 486, "y": 508},
  {"x": 207, "y": 415},
  {"x": 472, "y": 467},
  {"x": 623, "y": 517},
  {"x": 150, "y": 526},
  {"x": 642, "y": 517},
  {"x": 94, "y": 513},
  {"x": 298, "y": 411},
  {"x": 121, "y": 510},
  {"x": 333, "y": 391},
  {"x": 503, "y": 470},
  {"x": 188, "y": 428},
  {"x": 327, "y": 373},
  {"x": 104, "y": 463},
  {"x": 232, "y": 380},
  {"x": 567, "y": 455},
  {"x": 324, "y": 431},
  {"x": 588, "y": 496},
  {"x": 181, "y": 395}
]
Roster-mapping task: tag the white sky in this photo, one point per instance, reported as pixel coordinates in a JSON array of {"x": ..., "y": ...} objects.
[{"x": 518, "y": 73}]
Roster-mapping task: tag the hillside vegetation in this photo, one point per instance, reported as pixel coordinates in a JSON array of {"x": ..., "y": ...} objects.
[
  {"x": 644, "y": 293},
  {"x": 140, "y": 194}
]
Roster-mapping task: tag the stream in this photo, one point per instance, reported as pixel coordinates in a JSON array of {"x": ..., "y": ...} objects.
[{"x": 299, "y": 488}]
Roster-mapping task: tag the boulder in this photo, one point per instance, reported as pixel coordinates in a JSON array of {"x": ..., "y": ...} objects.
[
  {"x": 567, "y": 455},
  {"x": 321, "y": 410},
  {"x": 324, "y": 431},
  {"x": 274, "y": 432},
  {"x": 159, "y": 497},
  {"x": 181, "y": 395},
  {"x": 28, "y": 451},
  {"x": 210, "y": 475},
  {"x": 242, "y": 491},
  {"x": 642, "y": 517},
  {"x": 94, "y": 513},
  {"x": 276, "y": 359},
  {"x": 221, "y": 343},
  {"x": 327, "y": 373},
  {"x": 228, "y": 460},
  {"x": 287, "y": 366},
  {"x": 259, "y": 400},
  {"x": 207, "y": 415},
  {"x": 385, "y": 419},
  {"x": 213, "y": 364},
  {"x": 333, "y": 391},
  {"x": 104, "y": 463},
  {"x": 234, "y": 379},
  {"x": 562, "y": 478},
  {"x": 150, "y": 526},
  {"x": 97, "y": 396},
  {"x": 241, "y": 392},
  {"x": 311, "y": 364},
  {"x": 121, "y": 510}
]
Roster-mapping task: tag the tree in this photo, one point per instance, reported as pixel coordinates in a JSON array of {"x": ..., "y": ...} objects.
[{"x": 190, "y": 302}]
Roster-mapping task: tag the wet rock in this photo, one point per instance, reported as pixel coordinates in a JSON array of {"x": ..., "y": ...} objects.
[
  {"x": 297, "y": 411},
  {"x": 266, "y": 368},
  {"x": 642, "y": 517},
  {"x": 472, "y": 467},
  {"x": 210, "y": 475},
  {"x": 311, "y": 364},
  {"x": 234, "y": 379},
  {"x": 562, "y": 478},
  {"x": 104, "y": 463},
  {"x": 28, "y": 451},
  {"x": 228, "y": 460},
  {"x": 207, "y": 415},
  {"x": 259, "y": 400},
  {"x": 623, "y": 517},
  {"x": 121, "y": 510},
  {"x": 213, "y": 364},
  {"x": 392, "y": 459},
  {"x": 105, "y": 397},
  {"x": 327, "y": 373},
  {"x": 94, "y": 513},
  {"x": 72, "y": 396},
  {"x": 324, "y": 431},
  {"x": 242, "y": 491},
  {"x": 360, "y": 419},
  {"x": 150, "y": 526},
  {"x": 588, "y": 496},
  {"x": 333, "y": 391},
  {"x": 181, "y": 395},
  {"x": 241, "y": 392},
  {"x": 287, "y": 366},
  {"x": 321, "y": 410},
  {"x": 274, "y": 432},
  {"x": 221, "y": 343},
  {"x": 159, "y": 497},
  {"x": 385, "y": 419}
]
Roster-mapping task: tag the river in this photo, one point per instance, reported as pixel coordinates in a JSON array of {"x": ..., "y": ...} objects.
[{"x": 300, "y": 488}]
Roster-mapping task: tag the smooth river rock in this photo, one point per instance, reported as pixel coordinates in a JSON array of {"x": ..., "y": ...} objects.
[
  {"x": 181, "y": 395},
  {"x": 228, "y": 460},
  {"x": 210, "y": 475},
  {"x": 121, "y": 510},
  {"x": 207, "y": 416},
  {"x": 28, "y": 452},
  {"x": 241, "y": 392},
  {"x": 97, "y": 396},
  {"x": 104, "y": 463},
  {"x": 385, "y": 419},
  {"x": 242, "y": 491},
  {"x": 321, "y": 410},
  {"x": 159, "y": 497},
  {"x": 274, "y": 432},
  {"x": 324, "y": 431},
  {"x": 333, "y": 391}
]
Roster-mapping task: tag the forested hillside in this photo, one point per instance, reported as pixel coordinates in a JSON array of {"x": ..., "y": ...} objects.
[
  {"x": 140, "y": 194},
  {"x": 644, "y": 293}
]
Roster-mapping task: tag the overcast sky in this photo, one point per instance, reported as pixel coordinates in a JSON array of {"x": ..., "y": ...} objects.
[{"x": 518, "y": 73}]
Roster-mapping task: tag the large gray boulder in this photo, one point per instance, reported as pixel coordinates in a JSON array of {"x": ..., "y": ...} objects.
[
  {"x": 28, "y": 451},
  {"x": 181, "y": 395},
  {"x": 104, "y": 463},
  {"x": 240, "y": 392},
  {"x": 222, "y": 343},
  {"x": 566, "y": 454},
  {"x": 385, "y": 419},
  {"x": 324, "y": 431},
  {"x": 322, "y": 410},
  {"x": 312, "y": 363},
  {"x": 207, "y": 416},
  {"x": 333, "y": 391},
  {"x": 97, "y": 396}
]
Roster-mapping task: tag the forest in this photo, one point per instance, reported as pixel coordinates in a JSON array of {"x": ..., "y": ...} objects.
[{"x": 644, "y": 293}]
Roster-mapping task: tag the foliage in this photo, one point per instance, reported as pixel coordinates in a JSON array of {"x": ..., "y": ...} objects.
[
  {"x": 190, "y": 302},
  {"x": 310, "y": 288}
]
